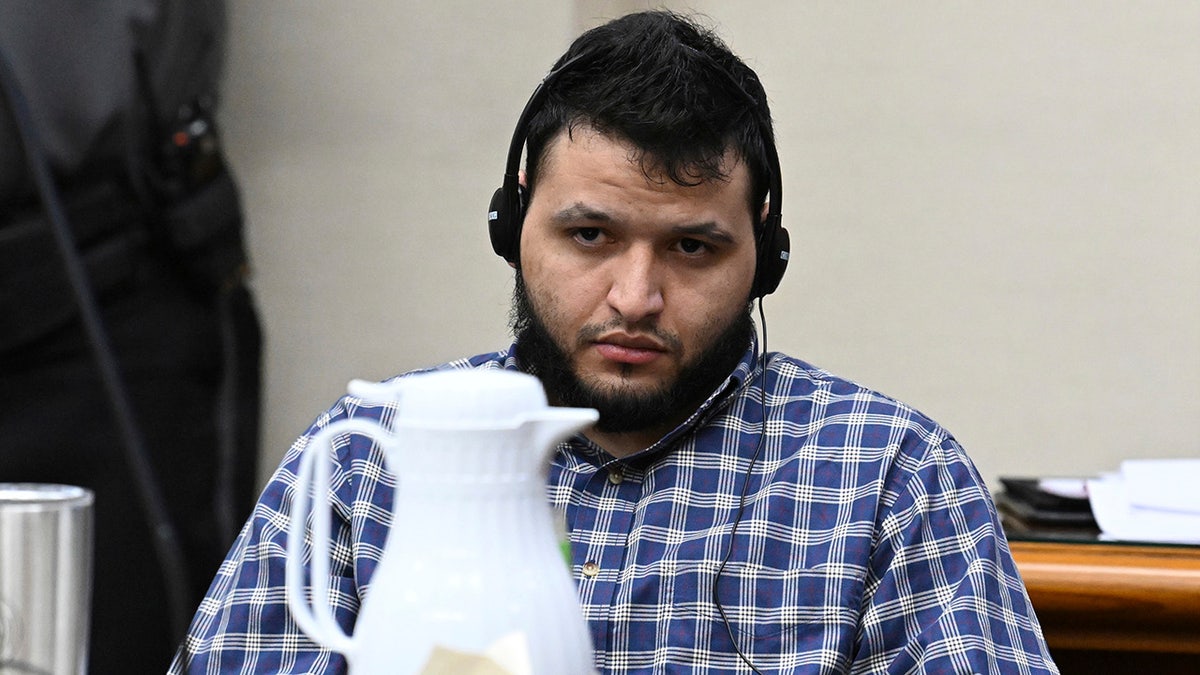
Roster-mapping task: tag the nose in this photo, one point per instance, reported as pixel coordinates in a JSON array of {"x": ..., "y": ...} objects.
[{"x": 635, "y": 292}]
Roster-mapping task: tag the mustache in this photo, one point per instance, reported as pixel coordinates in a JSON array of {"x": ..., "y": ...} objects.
[{"x": 593, "y": 331}]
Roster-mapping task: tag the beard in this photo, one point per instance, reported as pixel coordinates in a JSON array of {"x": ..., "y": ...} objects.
[{"x": 623, "y": 408}]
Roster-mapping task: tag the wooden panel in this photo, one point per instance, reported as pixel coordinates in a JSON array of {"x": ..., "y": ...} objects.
[
  {"x": 1094, "y": 661},
  {"x": 1095, "y": 596}
]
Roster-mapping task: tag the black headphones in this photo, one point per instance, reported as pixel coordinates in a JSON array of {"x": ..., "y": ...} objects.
[{"x": 506, "y": 212}]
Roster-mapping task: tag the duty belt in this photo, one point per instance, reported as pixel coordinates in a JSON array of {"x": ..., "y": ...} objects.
[{"x": 109, "y": 228}]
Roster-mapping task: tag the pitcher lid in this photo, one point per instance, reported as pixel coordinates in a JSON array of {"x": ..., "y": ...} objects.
[{"x": 463, "y": 397}]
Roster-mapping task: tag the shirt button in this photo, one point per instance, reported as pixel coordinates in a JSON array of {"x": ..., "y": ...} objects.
[
  {"x": 615, "y": 476},
  {"x": 590, "y": 569}
]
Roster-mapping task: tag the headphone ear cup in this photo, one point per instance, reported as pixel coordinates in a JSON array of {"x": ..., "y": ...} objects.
[
  {"x": 773, "y": 252},
  {"x": 506, "y": 212}
]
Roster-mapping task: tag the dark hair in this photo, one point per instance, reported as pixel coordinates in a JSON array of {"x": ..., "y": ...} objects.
[{"x": 670, "y": 87}]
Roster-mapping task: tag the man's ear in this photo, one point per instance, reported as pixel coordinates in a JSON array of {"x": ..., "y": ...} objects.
[{"x": 762, "y": 215}]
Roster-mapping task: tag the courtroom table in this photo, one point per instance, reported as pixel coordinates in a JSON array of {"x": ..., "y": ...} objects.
[{"x": 1115, "y": 607}]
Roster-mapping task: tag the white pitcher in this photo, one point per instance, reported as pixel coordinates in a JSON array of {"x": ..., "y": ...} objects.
[{"x": 472, "y": 560}]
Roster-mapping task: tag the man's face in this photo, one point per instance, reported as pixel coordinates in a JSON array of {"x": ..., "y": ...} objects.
[{"x": 635, "y": 293}]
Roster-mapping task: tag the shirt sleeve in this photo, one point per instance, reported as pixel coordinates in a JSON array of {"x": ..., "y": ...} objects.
[
  {"x": 244, "y": 624},
  {"x": 943, "y": 594}
]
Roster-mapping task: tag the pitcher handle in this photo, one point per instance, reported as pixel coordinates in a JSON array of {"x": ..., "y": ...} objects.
[{"x": 317, "y": 621}]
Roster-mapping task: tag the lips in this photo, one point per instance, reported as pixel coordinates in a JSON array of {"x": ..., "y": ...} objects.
[{"x": 629, "y": 349}]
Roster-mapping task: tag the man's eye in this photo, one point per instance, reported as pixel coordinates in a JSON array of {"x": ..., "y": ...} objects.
[
  {"x": 692, "y": 246},
  {"x": 588, "y": 234}
]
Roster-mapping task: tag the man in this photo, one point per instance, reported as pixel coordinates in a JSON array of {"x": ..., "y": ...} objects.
[
  {"x": 118, "y": 99},
  {"x": 730, "y": 511}
]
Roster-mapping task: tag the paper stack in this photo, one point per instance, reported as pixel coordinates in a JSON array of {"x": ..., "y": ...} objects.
[{"x": 1156, "y": 500}]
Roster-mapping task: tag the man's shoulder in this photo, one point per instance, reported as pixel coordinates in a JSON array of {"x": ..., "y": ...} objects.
[
  {"x": 381, "y": 409},
  {"x": 351, "y": 405},
  {"x": 498, "y": 359},
  {"x": 833, "y": 397},
  {"x": 788, "y": 375},
  {"x": 842, "y": 421}
]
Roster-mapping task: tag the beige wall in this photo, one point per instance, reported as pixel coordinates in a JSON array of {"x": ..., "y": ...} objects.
[{"x": 994, "y": 208}]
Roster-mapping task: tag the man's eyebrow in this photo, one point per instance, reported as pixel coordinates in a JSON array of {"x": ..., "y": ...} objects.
[
  {"x": 709, "y": 230},
  {"x": 580, "y": 211}
]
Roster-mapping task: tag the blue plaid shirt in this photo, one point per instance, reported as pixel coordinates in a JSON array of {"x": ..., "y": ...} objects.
[{"x": 867, "y": 544}]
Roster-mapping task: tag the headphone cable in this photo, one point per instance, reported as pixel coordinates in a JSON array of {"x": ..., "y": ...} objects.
[{"x": 745, "y": 490}]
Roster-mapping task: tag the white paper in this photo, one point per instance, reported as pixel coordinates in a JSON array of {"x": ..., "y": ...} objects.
[
  {"x": 1163, "y": 484},
  {"x": 1119, "y": 518},
  {"x": 508, "y": 655}
]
